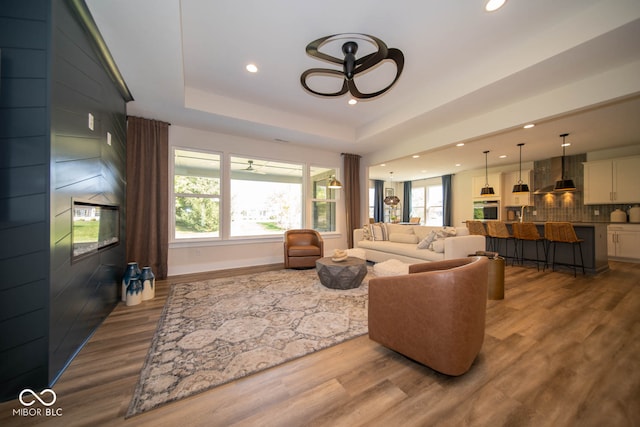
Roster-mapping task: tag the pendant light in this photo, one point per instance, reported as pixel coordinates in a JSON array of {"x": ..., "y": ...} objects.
[
  {"x": 520, "y": 187},
  {"x": 564, "y": 184},
  {"x": 486, "y": 190},
  {"x": 334, "y": 183}
]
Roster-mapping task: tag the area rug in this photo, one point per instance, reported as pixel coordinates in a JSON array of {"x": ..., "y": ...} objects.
[{"x": 216, "y": 331}]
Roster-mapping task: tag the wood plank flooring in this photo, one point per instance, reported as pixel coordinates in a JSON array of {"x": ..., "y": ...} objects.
[{"x": 558, "y": 351}]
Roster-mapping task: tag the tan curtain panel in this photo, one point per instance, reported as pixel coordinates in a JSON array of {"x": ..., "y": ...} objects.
[
  {"x": 147, "y": 223},
  {"x": 351, "y": 190}
]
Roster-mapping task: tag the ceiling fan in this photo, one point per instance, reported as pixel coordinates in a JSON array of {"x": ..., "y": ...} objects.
[{"x": 250, "y": 168}]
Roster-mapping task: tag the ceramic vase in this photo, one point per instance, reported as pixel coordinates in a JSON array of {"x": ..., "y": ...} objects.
[
  {"x": 132, "y": 271},
  {"x": 148, "y": 280},
  {"x": 134, "y": 291}
]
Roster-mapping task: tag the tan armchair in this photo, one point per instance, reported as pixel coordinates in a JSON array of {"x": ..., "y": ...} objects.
[
  {"x": 435, "y": 315},
  {"x": 302, "y": 248}
]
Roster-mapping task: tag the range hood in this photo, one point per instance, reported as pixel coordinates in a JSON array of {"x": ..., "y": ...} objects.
[{"x": 547, "y": 172}]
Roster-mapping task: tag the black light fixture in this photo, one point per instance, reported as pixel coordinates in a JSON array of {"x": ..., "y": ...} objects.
[
  {"x": 334, "y": 183},
  {"x": 564, "y": 184},
  {"x": 350, "y": 65},
  {"x": 486, "y": 190},
  {"x": 520, "y": 187}
]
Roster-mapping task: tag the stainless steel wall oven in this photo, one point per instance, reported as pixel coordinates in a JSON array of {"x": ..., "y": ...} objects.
[{"x": 486, "y": 209}]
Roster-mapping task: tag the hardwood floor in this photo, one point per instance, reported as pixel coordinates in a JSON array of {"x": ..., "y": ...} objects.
[{"x": 558, "y": 351}]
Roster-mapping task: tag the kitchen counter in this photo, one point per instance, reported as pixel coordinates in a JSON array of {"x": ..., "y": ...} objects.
[{"x": 594, "y": 247}]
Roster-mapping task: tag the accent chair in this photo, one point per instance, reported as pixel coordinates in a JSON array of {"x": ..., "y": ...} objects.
[
  {"x": 434, "y": 315},
  {"x": 302, "y": 248}
]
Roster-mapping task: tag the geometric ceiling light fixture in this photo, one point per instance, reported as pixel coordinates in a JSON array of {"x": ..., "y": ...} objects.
[
  {"x": 351, "y": 66},
  {"x": 564, "y": 184},
  {"x": 520, "y": 187},
  {"x": 486, "y": 190}
]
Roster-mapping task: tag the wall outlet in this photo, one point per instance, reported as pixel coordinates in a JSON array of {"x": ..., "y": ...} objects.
[
  {"x": 109, "y": 138},
  {"x": 535, "y": 213},
  {"x": 90, "y": 121},
  {"x": 596, "y": 212}
]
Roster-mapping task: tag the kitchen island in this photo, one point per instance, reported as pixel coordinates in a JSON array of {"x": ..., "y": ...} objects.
[{"x": 594, "y": 248}]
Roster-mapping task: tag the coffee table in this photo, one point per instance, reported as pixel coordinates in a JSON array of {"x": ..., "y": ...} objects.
[{"x": 347, "y": 274}]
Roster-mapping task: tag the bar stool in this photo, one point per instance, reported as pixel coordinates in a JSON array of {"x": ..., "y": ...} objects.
[
  {"x": 527, "y": 231},
  {"x": 476, "y": 228},
  {"x": 498, "y": 231},
  {"x": 562, "y": 232}
]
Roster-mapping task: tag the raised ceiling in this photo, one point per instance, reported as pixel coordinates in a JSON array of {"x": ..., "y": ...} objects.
[{"x": 571, "y": 66}]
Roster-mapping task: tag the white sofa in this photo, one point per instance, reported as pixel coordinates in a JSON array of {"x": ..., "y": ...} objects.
[{"x": 400, "y": 245}]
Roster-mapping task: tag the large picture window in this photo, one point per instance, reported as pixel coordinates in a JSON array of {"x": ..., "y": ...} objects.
[
  {"x": 196, "y": 189},
  {"x": 266, "y": 197},
  {"x": 220, "y": 197}
]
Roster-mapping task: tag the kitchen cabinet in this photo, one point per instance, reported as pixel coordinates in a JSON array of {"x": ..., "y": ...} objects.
[
  {"x": 517, "y": 199},
  {"x": 495, "y": 181},
  {"x": 613, "y": 181},
  {"x": 623, "y": 241}
]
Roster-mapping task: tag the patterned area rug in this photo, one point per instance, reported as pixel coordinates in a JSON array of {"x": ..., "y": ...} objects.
[{"x": 216, "y": 331}]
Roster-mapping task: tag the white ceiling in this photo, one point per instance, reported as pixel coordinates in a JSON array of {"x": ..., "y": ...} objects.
[{"x": 569, "y": 66}]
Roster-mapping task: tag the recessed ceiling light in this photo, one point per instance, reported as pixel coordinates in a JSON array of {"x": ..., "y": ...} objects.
[
  {"x": 503, "y": 156},
  {"x": 566, "y": 144},
  {"x": 493, "y": 5},
  {"x": 528, "y": 126},
  {"x": 383, "y": 164},
  {"x": 458, "y": 164},
  {"x": 415, "y": 156},
  {"x": 353, "y": 101},
  {"x": 460, "y": 144},
  {"x": 252, "y": 68}
]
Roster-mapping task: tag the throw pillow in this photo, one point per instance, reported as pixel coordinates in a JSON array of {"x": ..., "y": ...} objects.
[
  {"x": 379, "y": 232},
  {"x": 426, "y": 242},
  {"x": 403, "y": 238},
  {"x": 367, "y": 232},
  {"x": 438, "y": 246}
]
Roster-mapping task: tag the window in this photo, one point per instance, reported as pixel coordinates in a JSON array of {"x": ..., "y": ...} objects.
[
  {"x": 266, "y": 197},
  {"x": 252, "y": 198},
  {"x": 196, "y": 189},
  {"x": 323, "y": 199},
  {"x": 434, "y": 205},
  {"x": 372, "y": 198},
  {"x": 426, "y": 203}
]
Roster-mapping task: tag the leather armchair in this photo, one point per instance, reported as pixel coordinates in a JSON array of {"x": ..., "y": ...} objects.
[
  {"x": 302, "y": 248},
  {"x": 435, "y": 315}
]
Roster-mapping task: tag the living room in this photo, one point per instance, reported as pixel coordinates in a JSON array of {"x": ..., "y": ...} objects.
[{"x": 42, "y": 280}]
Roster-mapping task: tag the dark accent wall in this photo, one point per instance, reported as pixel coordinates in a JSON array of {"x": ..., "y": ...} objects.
[{"x": 51, "y": 79}]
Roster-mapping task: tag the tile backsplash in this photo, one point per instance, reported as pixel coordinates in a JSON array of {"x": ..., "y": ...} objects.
[{"x": 567, "y": 206}]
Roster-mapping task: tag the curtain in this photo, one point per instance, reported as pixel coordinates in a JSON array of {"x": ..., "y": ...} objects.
[
  {"x": 378, "y": 201},
  {"x": 406, "y": 207},
  {"x": 351, "y": 188},
  {"x": 147, "y": 216},
  {"x": 447, "y": 208}
]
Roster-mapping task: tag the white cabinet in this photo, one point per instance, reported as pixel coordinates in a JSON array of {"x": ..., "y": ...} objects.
[
  {"x": 495, "y": 181},
  {"x": 517, "y": 199},
  {"x": 612, "y": 181},
  {"x": 623, "y": 241}
]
